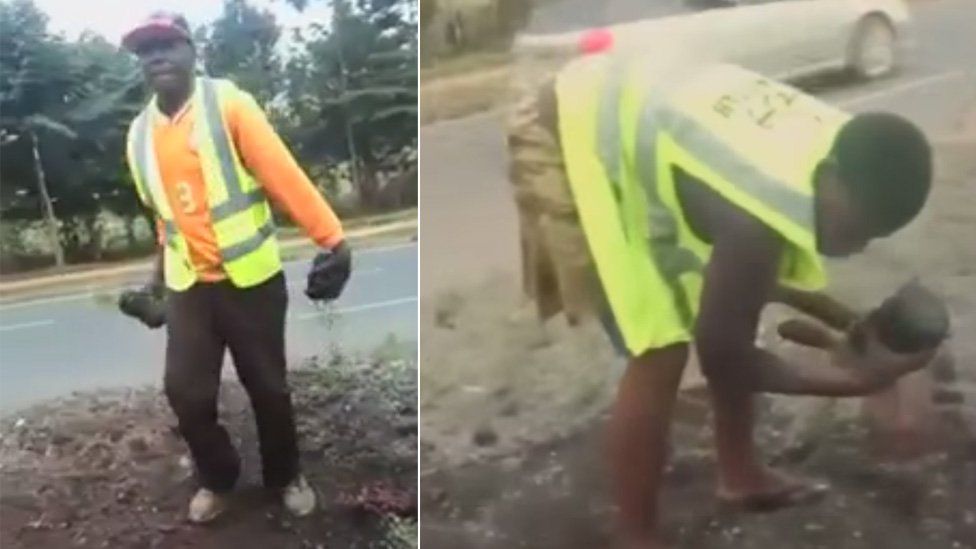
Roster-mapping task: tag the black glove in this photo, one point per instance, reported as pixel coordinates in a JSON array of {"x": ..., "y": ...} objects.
[
  {"x": 329, "y": 273},
  {"x": 148, "y": 305}
]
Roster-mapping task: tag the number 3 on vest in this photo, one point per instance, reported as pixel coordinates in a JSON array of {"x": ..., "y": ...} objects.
[{"x": 185, "y": 195}]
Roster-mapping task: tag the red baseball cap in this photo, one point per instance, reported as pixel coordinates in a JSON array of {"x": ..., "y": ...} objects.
[{"x": 158, "y": 25}]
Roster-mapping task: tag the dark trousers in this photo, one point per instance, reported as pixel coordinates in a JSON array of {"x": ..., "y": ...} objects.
[{"x": 204, "y": 321}]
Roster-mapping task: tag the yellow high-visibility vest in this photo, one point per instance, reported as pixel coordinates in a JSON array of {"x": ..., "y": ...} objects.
[
  {"x": 624, "y": 126},
  {"x": 239, "y": 209}
]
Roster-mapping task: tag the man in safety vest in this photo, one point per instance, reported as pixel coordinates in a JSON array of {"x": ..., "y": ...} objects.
[
  {"x": 206, "y": 160},
  {"x": 673, "y": 202}
]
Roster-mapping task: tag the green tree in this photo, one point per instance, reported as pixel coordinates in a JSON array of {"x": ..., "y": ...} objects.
[
  {"x": 353, "y": 88},
  {"x": 240, "y": 45},
  {"x": 64, "y": 109},
  {"x": 33, "y": 75},
  {"x": 344, "y": 95}
]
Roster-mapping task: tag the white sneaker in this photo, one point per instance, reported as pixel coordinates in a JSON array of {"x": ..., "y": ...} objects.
[
  {"x": 206, "y": 506},
  {"x": 299, "y": 497}
]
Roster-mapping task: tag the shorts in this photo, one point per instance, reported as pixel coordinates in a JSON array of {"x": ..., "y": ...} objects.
[{"x": 558, "y": 273}]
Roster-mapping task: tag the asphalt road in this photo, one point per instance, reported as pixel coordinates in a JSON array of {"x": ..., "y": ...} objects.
[
  {"x": 51, "y": 347},
  {"x": 469, "y": 228}
]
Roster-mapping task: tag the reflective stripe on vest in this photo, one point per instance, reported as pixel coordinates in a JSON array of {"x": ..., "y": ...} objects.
[
  {"x": 755, "y": 141},
  {"x": 636, "y": 122},
  {"x": 608, "y": 139},
  {"x": 141, "y": 164},
  {"x": 634, "y": 288},
  {"x": 237, "y": 199},
  {"x": 669, "y": 257},
  {"x": 673, "y": 260},
  {"x": 217, "y": 147}
]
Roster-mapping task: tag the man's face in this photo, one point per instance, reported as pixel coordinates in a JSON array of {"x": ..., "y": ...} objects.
[
  {"x": 167, "y": 64},
  {"x": 841, "y": 230}
]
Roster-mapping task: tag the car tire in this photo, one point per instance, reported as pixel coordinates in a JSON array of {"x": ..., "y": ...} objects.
[{"x": 874, "y": 49}]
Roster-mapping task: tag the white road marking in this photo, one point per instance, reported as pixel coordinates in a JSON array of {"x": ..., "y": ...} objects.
[
  {"x": 25, "y": 325},
  {"x": 47, "y": 301},
  {"x": 901, "y": 88},
  {"x": 359, "y": 308},
  {"x": 380, "y": 249}
]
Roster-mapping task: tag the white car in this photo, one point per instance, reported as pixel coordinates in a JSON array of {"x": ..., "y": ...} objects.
[{"x": 785, "y": 39}]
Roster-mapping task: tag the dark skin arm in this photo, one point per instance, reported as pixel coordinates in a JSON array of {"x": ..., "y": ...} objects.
[
  {"x": 157, "y": 276},
  {"x": 157, "y": 279},
  {"x": 740, "y": 279},
  {"x": 818, "y": 305}
]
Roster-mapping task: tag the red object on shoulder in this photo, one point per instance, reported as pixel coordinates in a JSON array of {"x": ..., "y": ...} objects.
[{"x": 596, "y": 41}]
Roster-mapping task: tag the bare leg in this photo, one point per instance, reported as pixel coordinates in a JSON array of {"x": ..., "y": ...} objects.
[
  {"x": 743, "y": 478},
  {"x": 638, "y": 440},
  {"x": 734, "y": 417}
]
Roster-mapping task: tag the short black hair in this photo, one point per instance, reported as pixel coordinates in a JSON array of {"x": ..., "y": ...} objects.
[{"x": 885, "y": 161}]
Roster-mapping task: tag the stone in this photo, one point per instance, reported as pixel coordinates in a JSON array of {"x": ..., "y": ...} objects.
[
  {"x": 485, "y": 436},
  {"x": 509, "y": 410},
  {"x": 407, "y": 427},
  {"x": 60, "y": 439},
  {"x": 138, "y": 445}
]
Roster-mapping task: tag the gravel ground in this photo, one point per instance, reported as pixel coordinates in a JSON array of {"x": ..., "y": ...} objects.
[{"x": 106, "y": 470}]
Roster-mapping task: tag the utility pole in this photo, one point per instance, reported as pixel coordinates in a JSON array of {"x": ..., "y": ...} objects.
[
  {"x": 47, "y": 208},
  {"x": 338, "y": 14}
]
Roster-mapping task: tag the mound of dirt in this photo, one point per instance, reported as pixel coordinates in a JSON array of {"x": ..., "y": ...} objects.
[
  {"x": 554, "y": 495},
  {"x": 107, "y": 470},
  {"x": 494, "y": 380},
  {"x": 513, "y": 415},
  {"x": 513, "y": 437}
]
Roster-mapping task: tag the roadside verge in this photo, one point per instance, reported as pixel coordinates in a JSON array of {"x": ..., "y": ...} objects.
[
  {"x": 461, "y": 95},
  {"x": 291, "y": 247}
]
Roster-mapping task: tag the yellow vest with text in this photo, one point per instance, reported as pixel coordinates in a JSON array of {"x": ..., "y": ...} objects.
[
  {"x": 240, "y": 213},
  {"x": 625, "y": 125}
]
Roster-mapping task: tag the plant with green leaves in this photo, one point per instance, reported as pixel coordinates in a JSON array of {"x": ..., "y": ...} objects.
[{"x": 64, "y": 109}]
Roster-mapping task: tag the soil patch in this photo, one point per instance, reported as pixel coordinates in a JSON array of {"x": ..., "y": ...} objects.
[
  {"x": 107, "y": 470},
  {"x": 513, "y": 418}
]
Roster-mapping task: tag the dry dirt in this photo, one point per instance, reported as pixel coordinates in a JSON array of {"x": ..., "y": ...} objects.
[
  {"x": 512, "y": 416},
  {"x": 107, "y": 470},
  {"x": 460, "y": 95}
]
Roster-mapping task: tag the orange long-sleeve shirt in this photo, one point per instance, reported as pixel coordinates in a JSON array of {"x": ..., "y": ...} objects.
[{"x": 265, "y": 156}]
